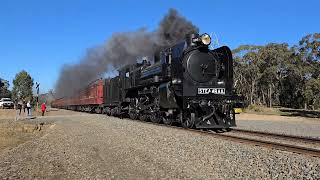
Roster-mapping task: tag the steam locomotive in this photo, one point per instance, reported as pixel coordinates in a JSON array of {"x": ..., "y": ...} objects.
[{"x": 187, "y": 84}]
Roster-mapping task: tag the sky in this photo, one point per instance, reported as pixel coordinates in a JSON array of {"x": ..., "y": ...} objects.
[{"x": 40, "y": 36}]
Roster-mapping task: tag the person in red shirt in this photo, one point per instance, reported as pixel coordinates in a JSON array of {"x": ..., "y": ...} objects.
[{"x": 43, "y": 108}]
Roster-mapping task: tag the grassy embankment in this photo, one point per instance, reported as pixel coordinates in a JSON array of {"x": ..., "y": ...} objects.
[{"x": 262, "y": 110}]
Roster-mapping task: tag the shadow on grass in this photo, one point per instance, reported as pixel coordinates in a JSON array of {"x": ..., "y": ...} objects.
[{"x": 300, "y": 112}]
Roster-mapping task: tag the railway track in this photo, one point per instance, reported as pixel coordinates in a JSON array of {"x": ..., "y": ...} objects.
[
  {"x": 301, "y": 139},
  {"x": 296, "y": 144},
  {"x": 236, "y": 135}
]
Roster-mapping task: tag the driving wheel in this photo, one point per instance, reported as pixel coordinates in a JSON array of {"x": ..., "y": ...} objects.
[{"x": 188, "y": 120}]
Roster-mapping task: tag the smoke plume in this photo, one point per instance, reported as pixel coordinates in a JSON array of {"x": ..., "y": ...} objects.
[{"x": 121, "y": 49}]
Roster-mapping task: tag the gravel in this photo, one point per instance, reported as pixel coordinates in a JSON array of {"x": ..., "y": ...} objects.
[
  {"x": 307, "y": 128},
  {"x": 100, "y": 147}
]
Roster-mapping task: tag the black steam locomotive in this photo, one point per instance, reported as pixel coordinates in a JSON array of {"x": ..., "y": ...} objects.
[{"x": 188, "y": 83}]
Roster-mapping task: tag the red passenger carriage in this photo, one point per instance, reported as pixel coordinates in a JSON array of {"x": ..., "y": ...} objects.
[{"x": 89, "y": 99}]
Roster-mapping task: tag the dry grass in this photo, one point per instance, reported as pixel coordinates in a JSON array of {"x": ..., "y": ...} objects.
[
  {"x": 256, "y": 109},
  {"x": 270, "y": 117},
  {"x": 13, "y": 133},
  {"x": 255, "y": 112},
  {"x": 280, "y": 111},
  {"x": 7, "y": 113}
]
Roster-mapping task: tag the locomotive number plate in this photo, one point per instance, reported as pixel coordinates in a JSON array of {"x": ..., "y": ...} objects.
[{"x": 211, "y": 91}]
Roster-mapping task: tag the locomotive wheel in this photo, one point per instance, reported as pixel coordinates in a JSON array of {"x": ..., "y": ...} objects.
[
  {"x": 108, "y": 112},
  {"x": 99, "y": 111},
  {"x": 188, "y": 120},
  {"x": 167, "y": 120},
  {"x": 133, "y": 116},
  {"x": 143, "y": 117},
  {"x": 155, "y": 118}
]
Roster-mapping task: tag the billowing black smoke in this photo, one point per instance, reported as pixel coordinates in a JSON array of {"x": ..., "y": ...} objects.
[{"x": 122, "y": 48}]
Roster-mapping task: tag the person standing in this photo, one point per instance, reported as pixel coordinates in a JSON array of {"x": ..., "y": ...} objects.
[
  {"x": 24, "y": 106},
  {"x": 43, "y": 108},
  {"x": 19, "y": 105},
  {"x": 28, "y": 108}
]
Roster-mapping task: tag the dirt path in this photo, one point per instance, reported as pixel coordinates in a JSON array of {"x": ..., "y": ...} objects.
[{"x": 6, "y": 114}]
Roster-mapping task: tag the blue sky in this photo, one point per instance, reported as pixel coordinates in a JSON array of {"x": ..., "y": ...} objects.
[{"x": 39, "y": 36}]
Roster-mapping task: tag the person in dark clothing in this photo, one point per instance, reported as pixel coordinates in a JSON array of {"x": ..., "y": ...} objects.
[
  {"x": 24, "y": 106},
  {"x": 19, "y": 106}
]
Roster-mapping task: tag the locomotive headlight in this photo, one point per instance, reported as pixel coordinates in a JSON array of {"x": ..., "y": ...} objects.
[{"x": 205, "y": 39}]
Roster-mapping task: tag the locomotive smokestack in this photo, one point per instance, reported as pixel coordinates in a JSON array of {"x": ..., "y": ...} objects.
[{"x": 190, "y": 39}]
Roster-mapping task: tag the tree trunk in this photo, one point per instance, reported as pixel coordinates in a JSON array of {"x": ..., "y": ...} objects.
[
  {"x": 252, "y": 91},
  {"x": 263, "y": 99},
  {"x": 270, "y": 96}
]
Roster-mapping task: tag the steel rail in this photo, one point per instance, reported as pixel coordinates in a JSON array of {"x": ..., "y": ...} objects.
[
  {"x": 268, "y": 144},
  {"x": 276, "y": 135},
  {"x": 275, "y": 145}
]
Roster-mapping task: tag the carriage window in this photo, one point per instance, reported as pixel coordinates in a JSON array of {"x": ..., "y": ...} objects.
[{"x": 127, "y": 74}]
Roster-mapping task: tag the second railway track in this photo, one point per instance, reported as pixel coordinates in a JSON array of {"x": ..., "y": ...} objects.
[
  {"x": 295, "y": 144},
  {"x": 306, "y": 146},
  {"x": 301, "y": 139}
]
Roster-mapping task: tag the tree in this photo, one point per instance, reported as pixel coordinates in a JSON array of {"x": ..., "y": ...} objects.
[
  {"x": 246, "y": 72},
  {"x": 276, "y": 60},
  {"x": 292, "y": 87},
  {"x": 279, "y": 74},
  {"x": 260, "y": 72},
  {"x": 4, "y": 88},
  {"x": 309, "y": 47},
  {"x": 312, "y": 93},
  {"x": 22, "y": 86},
  {"x": 309, "y": 51}
]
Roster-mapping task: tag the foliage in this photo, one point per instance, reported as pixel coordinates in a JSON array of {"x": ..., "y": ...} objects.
[
  {"x": 276, "y": 74},
  {"x": 255, "y": 108},
  {"x": 4, "y": 88},
  {"x": 46, "y": 98},
  {"x": 22, "y": 86},
  {"x": 312, "y": 93}
]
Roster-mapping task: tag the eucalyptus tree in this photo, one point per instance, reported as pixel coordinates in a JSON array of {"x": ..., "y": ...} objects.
[{"x": 22, "y": 86}]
